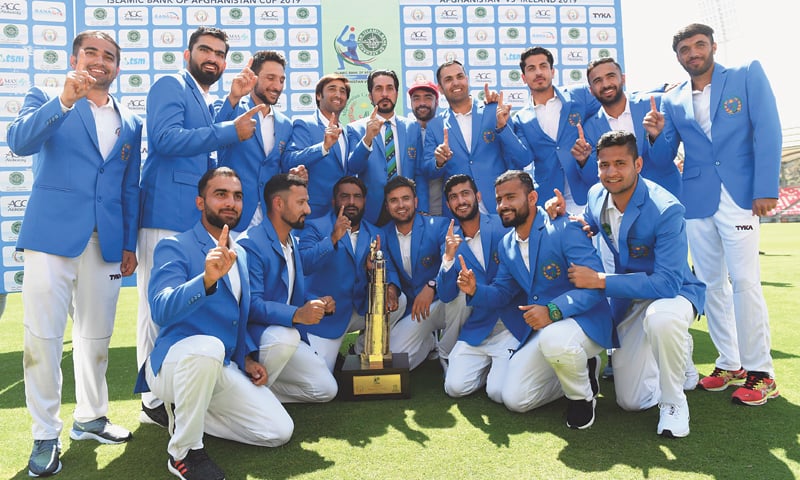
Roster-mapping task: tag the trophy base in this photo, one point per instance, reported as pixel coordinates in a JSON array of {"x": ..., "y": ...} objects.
[{"x": 390, "y": 382}]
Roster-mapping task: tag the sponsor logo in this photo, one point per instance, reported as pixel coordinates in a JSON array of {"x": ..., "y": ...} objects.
[
  {"x": 574, "y": 33},
  {"x": 135, "y": 81},
  {"x": 201, "y": 16},
  {"x": 237, "y": 57},
  {"x": 236, "y": 13},
  {"x": 575, "y": 75},
  {"x": 168, "y": 57},
  {"x": 270, "y": 35},
  {"x": 372, "y": 41},
  {"x": 13, "y": 106},
  {"x": 417, "y": 14},
  {"x": 514, "y": 75},
  {"x": 10, "y": 31},
  {"x": 742, "y": 228},
  {"x": 49, "y": 35},
  {"x": 100, "y": 14},
  {"x": 18, "y": 276},
  {"x": 16, "y": 227},
  {"x": 419, "y": 55},
  {"x": 450, "y": 33},
  {"x": 482, "y": 54},
  {"x": 167, "y": 38},
  {"x": 134, "y": 36},
  {"x": 50, "y": 56},
  {"x": 304, "y": 56},
  {"x": 306, "y": 99},
  {"x": 512, "y": 32},
  {"x": 302, "y": 13},
  {"x": 16, "y": 178},
  {"x": 480, "y": 12}
]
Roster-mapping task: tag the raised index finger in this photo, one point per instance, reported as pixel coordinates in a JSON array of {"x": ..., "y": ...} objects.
[
  {"x": 249, "y": 64},
  {"x": 653, "y": 104},
  {"x": 463, "y": 263},
  {"x": 374, "y": 113},
  {"x": 580, "y": 133},
  {"x": 80, "y": 64},
  {"x": 446, "y": 141},
  {"x": 486, "y": 90},
  {"x": 223, "y": 237},
  {"x": 341, "y": 211},
  {"x": 450, "y": 228}
]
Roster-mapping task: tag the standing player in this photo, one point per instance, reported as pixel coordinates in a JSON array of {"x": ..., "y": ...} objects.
[
  {"x": 79, "y": 238},
  {"x": 727, "y": 119}
]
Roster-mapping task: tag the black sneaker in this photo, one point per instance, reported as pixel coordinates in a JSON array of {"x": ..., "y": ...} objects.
[
  {"x": 155, "y": 416},
  {"x": 580, "y": 413},
  {"x": 594, "y": 373},
  {"x": 195, "y": 466}
]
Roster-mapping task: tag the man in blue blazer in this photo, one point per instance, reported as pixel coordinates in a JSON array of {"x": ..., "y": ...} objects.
[
  {"x": 732, "y": 142},
  {"x": 183, "y": 138},
  {"x": 319, "y": 143},
  {"x": 548, "y": 127},
  {"x": 423, "y": 101},
  {"x": 280, "y": 304},
  {"x": 379, "y": 154},
  {"x": 79, "y": 239},
  {"x": 469, "y": 137},
  {"x": 413, "y": 246},
  {"x": 334, "y": 250},
  {"x": 654, "y": 295},
  {"x": 568, "y": 326},
  {"x": 621, "y": 111},
  {"x": 258, "y": 158},
  {"x": 203, "y": 359},
  {"x": 487, "y": 335}
]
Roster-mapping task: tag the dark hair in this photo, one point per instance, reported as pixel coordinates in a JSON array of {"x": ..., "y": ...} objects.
[
  {"x": 446, "y": 64},
  {"x": 350, "y": 179},
  {"x": 455, "y": 180},
  {"x": 618, "y": 138},
  {"x": 600, "y": 61},
  {"x": 397, "y": 182},
  {"x": 214, "y": 172},
  {"x": 213, "y": 31},
  {"x": 280, "y": 183},
  {"x": 77, "y": 43},
  {"x": 378, "y": 73},
  {"x": 530, "y": 51},
  {"x": 328, "y": 79},
  {"x": 690, "y": 31},
  {"x": 260, "y": 57},
  {"x": 524, "y": 177}
]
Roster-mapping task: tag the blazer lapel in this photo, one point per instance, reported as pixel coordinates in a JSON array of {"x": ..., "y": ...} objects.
[
  {"x": 259, "y": 139},
  {"x": 478, "y": 111},
  {"x": 85, "y": 112},
  {"x": 452, "y": 125},
  {"x": 717, "y": 86},
  {"x": 631, "y": 214}
]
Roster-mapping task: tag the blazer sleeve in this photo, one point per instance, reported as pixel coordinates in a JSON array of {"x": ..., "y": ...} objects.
[
  {"x": 39, "y": 117},
  {"x": 173, "y": 293},
  {"x": 131, "y": 192},
  {"x": 302, "y": 148},
  {"x": 263, "y": 311},
  {"x": 767, "y": 135},
  {"x": 580, "y": 251}
]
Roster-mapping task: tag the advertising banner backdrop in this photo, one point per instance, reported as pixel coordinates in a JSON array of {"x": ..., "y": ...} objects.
[{"x": 350, "y": 37}]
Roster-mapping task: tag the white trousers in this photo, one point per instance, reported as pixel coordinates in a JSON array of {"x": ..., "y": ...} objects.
[
  {"x": 650, "y": 363},
  {"x": 416, "y": 338},
  {"x": 216, "y": 399},
  {"x": 87, "y": 287},
  {"x": 552, "y": 363},
  {"x": 472, "y": 367},
  {"x": 724, "y": 250},
  {"x": 328, "y": 348},
  {"x": 146, "y": 329},
  {"x": 295, "y": 373}
]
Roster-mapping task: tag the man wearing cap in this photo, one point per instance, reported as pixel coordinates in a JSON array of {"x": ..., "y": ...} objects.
[
  {"x": 424, "y": 100},
  {"x": 382, "y": 149}
]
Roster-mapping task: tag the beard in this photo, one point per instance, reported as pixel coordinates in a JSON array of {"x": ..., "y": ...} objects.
[
  {"x": 616, "y": 98},
  {"x": 473, "y": 212},
  {"x": 297, "y": 224},
  {"x": 203, "y": 77},
  {"x": 423, "y": 117},
  {"x": 263, "y": 97},
  {"x": 218, "y": 221},
  {"x": 355, "y": 217},
  {"x": 387, "y": 110},
  {"x": 519, "y": 217}
]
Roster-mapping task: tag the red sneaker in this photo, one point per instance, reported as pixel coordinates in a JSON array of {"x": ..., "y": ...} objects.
[
  {"x": 758, "y": 388},
  {"x": 720, "y": 379}
]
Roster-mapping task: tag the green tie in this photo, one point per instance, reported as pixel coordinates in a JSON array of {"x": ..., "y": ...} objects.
[{"x": 388, "y": 142}]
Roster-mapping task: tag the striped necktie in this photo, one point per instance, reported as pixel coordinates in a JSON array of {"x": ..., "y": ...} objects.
[{"x": 388, "y": 142}]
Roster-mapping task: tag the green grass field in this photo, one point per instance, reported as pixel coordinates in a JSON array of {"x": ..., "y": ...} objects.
[{"x": 432, "y": 436}]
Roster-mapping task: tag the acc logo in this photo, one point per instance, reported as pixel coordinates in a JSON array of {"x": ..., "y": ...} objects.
[
  {"x": 450, "y": 33},
  {"x": 235, "y": 13},
  {"x": 639, "y": 251},
  {"x": 448, "y": 13},
  {"x": 411, "y": 152},
  {"x": 480, "y": 12},
  {"x": 302, "y": 13},
  {"x": 18, "y": 277},
  {"x": 372, "y": 41},
  {"x": 544, "y": 14},
  {"x": 15, "y": 205},
  {"x": 10, "y": 7},
  {"x": 100, "y": 14},
  {"x": 573, "y": 33},
  {"x": 515, "y": 96},
  {"x": 10, "y": 31},
  {"x": 134, "y": 36},
  {"x": 551, "y": 271},
  {"x": 575, "y": 75},
  {"x": 513, "y": 33},
  {"x": 270, "y": 35},
  {"x": 16, "y": 178},
  {"x": 488, "y": 135},
  {"x": 305, "y": 99},
  {"x": 427, "y": 262},
  {"x": 574, "y": 118},
  {"x": 133, "y": 15},
  {"x": 732, "y": 105},
  {"x": 50, "y": 56},
  {"x": 136, "y": 104},
  {"x": 16, "y": 227},
  {"x": 168, "y": 57}
]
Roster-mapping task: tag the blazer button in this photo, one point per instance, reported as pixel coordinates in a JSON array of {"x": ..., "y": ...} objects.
[
  {"x": 536, "y": 297},
  {"x": 716, "y": 163}
]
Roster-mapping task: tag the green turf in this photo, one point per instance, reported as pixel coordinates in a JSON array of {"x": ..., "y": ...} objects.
[{"x": 432, "y": 436}]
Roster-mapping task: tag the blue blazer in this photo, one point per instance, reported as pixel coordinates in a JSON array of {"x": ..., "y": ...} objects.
[
  {"x": 370, "y": 166},
  {"x": 745, "y": 155},
  {"x": 651, "y": 260},
  {"x": 248, "y": 160},
  {"x": 428, "y": 235},
  {"x": 659, "y": 168},
  {"x": 337, "y": 271},
  {"x": 553, "y": 246},
  {"x": 552, "y": 159},
  {"x": 269, "y": 279},
  {"x": 305, "y": 148},
  {"x": 482, "y": 320},
  {"x": 490, "y": 154},
  {"x": 182, "y": 308},
  {"x": 75, "y": 189},
  {"x": 181, "y": 134}
]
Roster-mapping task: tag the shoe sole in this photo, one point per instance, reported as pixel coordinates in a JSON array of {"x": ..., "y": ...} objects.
[
  {"x": 174, "y": 471},
  {"x": 146, "y": 419},
  {"x": 756, "y": 403},
  {"x": 39, "y": 475},
  {"x": 670, "y": 434},
  {"x": 737, "y": 383},
  {"x": 76, "y": 435}
]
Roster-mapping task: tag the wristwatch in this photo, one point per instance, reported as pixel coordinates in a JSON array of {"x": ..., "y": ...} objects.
[
  {"x": 432, "y": 284},
  {"x": 555, "y": 313}
]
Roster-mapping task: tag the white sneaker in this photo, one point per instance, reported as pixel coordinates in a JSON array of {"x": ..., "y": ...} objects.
[
  {"x": 691, "y": 377},
  {"x": 673, "y": 420}
]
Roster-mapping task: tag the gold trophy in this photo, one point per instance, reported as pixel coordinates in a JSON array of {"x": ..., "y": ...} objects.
[{"x": 376, "y": 373}]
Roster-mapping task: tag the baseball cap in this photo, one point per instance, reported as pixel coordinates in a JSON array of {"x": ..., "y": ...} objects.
[{"x": 424, "y": 84}]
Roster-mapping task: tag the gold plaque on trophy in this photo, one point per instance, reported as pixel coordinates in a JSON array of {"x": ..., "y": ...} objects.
[{"x": 376, "y": 373}]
